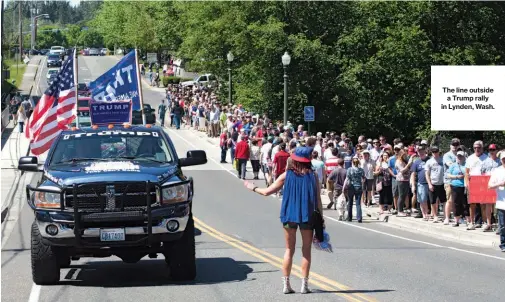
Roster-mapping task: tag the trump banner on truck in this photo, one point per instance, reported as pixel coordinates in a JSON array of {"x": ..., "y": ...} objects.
[
  {"x": 105, "y": 113},
  {"x": 119, "y": 83}
]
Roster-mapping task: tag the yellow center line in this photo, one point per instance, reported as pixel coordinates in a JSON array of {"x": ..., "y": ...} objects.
[{"x": 316, "y": 279}]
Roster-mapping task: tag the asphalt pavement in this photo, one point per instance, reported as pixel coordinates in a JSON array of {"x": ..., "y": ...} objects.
[{"x": 240, "y": 243}]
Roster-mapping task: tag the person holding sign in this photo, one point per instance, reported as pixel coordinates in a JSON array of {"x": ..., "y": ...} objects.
[
  {"x": 474, "y": 168},
  {"x": 497, "y": 182}
]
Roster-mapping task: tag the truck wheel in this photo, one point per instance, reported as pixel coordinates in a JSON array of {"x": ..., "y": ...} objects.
[
  {"x": 182, "y": 260},
  {"x": 45, "y": 264}
]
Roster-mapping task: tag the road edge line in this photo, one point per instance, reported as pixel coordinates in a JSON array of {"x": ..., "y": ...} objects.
[{"x": 243, "y": 248}]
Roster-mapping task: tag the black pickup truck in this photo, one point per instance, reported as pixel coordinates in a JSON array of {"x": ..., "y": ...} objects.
[{"x": 112, "y": 191}]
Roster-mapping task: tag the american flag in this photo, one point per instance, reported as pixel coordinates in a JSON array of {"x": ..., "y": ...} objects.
[{"x": 54, "y": 111}]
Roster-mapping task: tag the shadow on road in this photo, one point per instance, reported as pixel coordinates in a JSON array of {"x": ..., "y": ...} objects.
[{"x": 155, "y": 273}]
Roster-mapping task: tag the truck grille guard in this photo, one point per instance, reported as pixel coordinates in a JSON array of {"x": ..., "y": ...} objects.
[{"x": 106, "y": 212}]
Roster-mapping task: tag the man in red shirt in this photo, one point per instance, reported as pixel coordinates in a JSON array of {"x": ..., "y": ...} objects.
[
  {"x": 280, "y": 161},
  {"x": 242, "y": 155},
  {"x": 223, "y": 143}
]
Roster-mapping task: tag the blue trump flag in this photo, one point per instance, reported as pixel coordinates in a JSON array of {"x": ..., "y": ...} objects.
[{"x": 119, "y": 83}]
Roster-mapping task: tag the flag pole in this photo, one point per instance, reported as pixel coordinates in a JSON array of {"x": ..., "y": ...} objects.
[
  {"x": 76, "y": 87},
  {"x": 139, "y": 84}
]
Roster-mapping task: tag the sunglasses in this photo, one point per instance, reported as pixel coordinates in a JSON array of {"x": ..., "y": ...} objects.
[
  {"x": 492, "y": 150},
  {"x": 477, "y": 147}
]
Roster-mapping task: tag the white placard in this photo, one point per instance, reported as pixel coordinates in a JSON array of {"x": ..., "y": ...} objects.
[{"x": 467, "y": 98}]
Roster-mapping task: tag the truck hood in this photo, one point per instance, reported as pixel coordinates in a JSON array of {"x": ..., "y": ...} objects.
[{"x": 102, "y": 171}]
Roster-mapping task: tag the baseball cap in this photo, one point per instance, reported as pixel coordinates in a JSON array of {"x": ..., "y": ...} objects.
[
  {"x": 502, "y": 155},
  {"x": 365, "y": 151},
  {"x": 424, "y": 142},
  {"x": 397, "y": 147},
  {"x": 434, "y": 149},
  {"x": 460, "y": 153},
  {"x": 492, "y": 146},
  {"x": 455, "y": 142},
  {"x": 421, "y": 148},
  {"x": 412, "y": 150},
  {"x": 369, "y": 140}
]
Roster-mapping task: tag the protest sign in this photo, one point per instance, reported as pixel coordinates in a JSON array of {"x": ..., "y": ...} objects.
[
  {"x": 104, "y": 113},
  {"x": 479, "y": 192}
]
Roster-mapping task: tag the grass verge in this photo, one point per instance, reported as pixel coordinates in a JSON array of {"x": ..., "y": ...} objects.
[{"x": 16, "y": 72}]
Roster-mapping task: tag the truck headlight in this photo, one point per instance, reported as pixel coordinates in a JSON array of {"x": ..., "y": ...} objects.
[
  {"x": 174, "y": 194},
  {"x": 47, "y": 200}
]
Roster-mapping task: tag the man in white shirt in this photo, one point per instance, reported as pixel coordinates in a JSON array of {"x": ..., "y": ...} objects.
[
  {"x": 368, "y": 166},
  {"x": 327, "y": 153},
  {"x": 265, "y": 160},
  {"x": 497, "y": 182},
  {"x": 474, "y": 168},
  {"x": 376, "y": 150}
]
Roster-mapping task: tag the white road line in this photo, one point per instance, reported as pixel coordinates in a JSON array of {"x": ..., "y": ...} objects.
[
  {"x": 40, "y": 75},
  {"x": 35, "y": 293},
  {"x": 353, "y": 225}
]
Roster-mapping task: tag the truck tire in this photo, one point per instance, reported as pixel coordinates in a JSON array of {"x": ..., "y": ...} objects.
[
  {"x": 45, "y": 264},
  {"x": 182, "y": 260}
]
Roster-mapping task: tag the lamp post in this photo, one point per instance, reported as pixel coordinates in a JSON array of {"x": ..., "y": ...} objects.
[
  {"x": 286, "y": 59},
  {"x": 34, "y": 28},
  {"x": 230, "y": 58}
]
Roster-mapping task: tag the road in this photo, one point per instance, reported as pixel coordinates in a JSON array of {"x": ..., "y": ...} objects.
[{"x": 240, "y": 245}]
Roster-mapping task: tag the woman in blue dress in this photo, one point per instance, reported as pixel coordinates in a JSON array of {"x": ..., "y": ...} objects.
[{"x": 301, "y": 196}]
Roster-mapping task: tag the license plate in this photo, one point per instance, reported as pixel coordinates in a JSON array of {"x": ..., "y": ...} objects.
[{"x": 112, "y": 235}]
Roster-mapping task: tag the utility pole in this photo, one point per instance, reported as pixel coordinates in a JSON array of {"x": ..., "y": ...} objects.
[{"x": 20, "y": 30}]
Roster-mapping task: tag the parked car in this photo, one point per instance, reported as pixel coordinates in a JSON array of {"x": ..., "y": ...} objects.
[
  {"x": 104, "y": 51},
  {"x": 53, "y": 60},
  {"x": 94, "y": 52},
  {"x": 104, "y": 193},
  {"x": 208, "y": 79},
  {"x": 44, "y": 51}
]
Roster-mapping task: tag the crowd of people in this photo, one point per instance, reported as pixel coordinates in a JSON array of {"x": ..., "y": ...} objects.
[
  {"x": 20, "y": 110},
  {"x": 411, "y": 179}
]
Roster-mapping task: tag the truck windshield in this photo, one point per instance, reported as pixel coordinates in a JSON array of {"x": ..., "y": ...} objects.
[{"x": 112, "y": 145}]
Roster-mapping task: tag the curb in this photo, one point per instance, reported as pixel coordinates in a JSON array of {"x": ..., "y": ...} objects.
[{"x": 473, "y": 238}]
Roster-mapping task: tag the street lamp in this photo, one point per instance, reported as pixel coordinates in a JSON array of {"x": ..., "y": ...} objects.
[
  {"x": 34, "y": 28},
  {"x": 230, "y": 58},
  {"x": 286, "y": 59}
]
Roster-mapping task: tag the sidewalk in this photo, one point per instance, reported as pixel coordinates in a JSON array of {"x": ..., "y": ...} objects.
[
  {"x": 476, "y": 237},
  {"x": 14, "y": 146}
]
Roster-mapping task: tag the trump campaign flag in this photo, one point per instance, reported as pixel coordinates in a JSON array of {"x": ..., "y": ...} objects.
[
  {"x": 55, "y": 110},
  {"x": 120, "y": 83}
]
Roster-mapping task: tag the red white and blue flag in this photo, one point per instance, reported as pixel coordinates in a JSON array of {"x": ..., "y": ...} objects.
[{"x": 55, "y": 110}]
